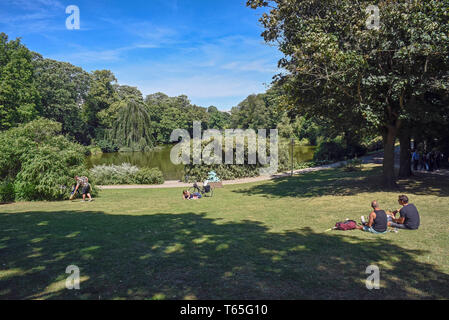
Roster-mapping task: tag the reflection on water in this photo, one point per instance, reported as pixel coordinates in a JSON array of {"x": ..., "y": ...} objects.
[{"x": 160, "y": 158}]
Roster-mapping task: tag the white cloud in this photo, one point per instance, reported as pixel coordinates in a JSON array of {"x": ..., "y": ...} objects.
[{"x": 34, "y": 17}]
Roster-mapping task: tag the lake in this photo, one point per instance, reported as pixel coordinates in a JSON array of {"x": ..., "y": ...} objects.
[{"x": 160, "y": 158}]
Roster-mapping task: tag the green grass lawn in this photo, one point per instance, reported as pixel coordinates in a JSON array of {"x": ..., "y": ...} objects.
[{"x": 253, "y": 241}]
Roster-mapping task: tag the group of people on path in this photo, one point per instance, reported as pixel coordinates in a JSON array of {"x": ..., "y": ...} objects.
[
  {"x": 379, "y": 220},
  {"x": 429, "y": 161}
]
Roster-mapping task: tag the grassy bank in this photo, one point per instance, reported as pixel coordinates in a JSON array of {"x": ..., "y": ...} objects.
[{"x": 253, "y": 241}]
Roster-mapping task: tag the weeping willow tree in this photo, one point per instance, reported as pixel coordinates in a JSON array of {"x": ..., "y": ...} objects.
[{"x": 132, "y": 128}]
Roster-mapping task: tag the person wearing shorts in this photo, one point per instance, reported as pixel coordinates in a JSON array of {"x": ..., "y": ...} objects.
[
  {"x": 378, "y": 221},
  {"x": 83, "y": 183}
]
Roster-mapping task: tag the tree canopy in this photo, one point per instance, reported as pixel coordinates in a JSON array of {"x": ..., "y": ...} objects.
[
  {"x": 18, "y": 93},
  {"x": 339, "y": 68}
]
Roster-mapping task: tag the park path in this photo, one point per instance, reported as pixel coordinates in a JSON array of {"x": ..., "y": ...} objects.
[
  {"x": 179, "y": 184},
  {"x": 376, "y": 158}
]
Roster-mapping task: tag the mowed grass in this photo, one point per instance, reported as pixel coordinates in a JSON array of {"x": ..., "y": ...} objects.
[{"x": 254, "y": 241}]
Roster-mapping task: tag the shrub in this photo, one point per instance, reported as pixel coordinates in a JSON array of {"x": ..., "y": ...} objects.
[
  {"x": 356, "y": 151},
  {"x": 113, "y": 174},
  {"x": 125, "y": 174},
  {"x": 107, "y": 146},
  {"x": 224, "y": 172},
  {"x": 194, "y": 172},
  {"x": 330, "y": 150},
  {"x": 6, "y": 191},
  {"x": 309, "y": 164},
  {"x": 353, "y": 165},
  {"x": 149, "y": 176},
  {"x": 40, "y": 160}
]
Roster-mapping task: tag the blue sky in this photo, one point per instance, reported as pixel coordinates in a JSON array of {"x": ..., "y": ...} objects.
[{"x": 210, "y": 50}]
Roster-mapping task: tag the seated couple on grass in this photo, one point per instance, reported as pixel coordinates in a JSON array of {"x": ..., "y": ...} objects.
[
  {"x": 379, "y": 220},
  {"x": 186, "y": 195}
]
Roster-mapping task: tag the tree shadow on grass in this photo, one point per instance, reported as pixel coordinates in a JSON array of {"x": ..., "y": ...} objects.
[
  {"x": 337, "y": 182},
  {"x": 190, "y": 256}
]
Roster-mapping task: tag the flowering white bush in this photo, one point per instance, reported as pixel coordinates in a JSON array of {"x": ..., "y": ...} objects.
[
  {"x": 125, "y": 174},
  {"x": 113, "y": 174}
]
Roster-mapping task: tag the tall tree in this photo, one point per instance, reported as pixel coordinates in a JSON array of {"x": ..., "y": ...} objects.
[
  {"x": 18, "y": 93},
  {"x": 100, "y": 97},
  {"x": 251, "y": 113},
  {"x": 218, "y": 119},
  {"x": 121, "y": 96},
  {"x": 63, "y": 90},
  {"x": 133, "y": 126},
  {"x": 353, "y": 72}
]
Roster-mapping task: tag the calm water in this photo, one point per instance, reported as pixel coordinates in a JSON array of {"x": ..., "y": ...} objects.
[{"x": 160, "y": 158}]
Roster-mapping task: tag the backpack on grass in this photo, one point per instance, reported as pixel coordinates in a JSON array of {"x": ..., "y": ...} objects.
[{"x": 346, "y": 225}]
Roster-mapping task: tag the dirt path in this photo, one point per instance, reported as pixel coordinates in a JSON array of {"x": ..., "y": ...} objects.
[{"x": 373, "y": 158}]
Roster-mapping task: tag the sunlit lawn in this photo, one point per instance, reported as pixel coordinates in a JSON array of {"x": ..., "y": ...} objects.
[{"x": 253, "y": 241}]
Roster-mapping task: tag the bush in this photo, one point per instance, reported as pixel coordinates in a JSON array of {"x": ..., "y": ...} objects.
[
  {"x": 330, "y": 151},
  {"x": 125, "y": 174},
  {"x": 309, "y": 164},
  {"x": 107, "y": 146},
  {"x": 6, "y": 191},
  {"x": 353, "y": 165},
  {"x": 356, "y": 151},
  {"x": 149, "y": 176},
  {"x": 40, "y": 160},
  {"x": 194, "y": 173},
  {"x": 112, "y": 174}
]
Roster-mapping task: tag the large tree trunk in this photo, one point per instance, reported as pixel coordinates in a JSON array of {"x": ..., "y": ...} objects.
[
  {"x": 388, "y": 163},
  {"x": 405, "y": 169}
]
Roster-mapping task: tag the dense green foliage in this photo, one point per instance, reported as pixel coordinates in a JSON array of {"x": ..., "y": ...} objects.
[
  {"x": 364, "y": 80},
  {"x": 40, "y": 161},
  {"x": 18, "y": 94},
  {"x": 63, "y": 89},
  {"x": 170, "y": 113},
  {"x": 149, "y": 176},
  {"x": 132, "y": 128},
  {"x": 7, "y": 191},
  {"x": 344, "y": 86}
]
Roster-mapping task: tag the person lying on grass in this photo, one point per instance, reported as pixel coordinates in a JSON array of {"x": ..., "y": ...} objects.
[
  {"x": 409, "y": 215},
  {"x": 186, "y": 195},
  {"x": 377, "y": 221}
]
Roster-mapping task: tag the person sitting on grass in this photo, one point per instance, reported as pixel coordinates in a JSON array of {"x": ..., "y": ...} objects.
[
  {"x": 83, "y": 182},
  {"x": 377, "y": 222},
  {"x": 186, "y": 195},
  {"x": 409, "y": 215}
]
